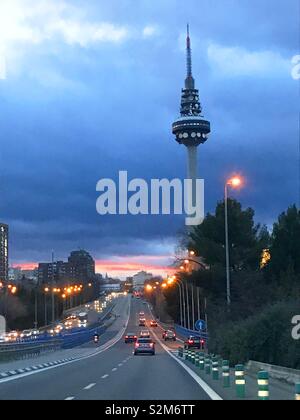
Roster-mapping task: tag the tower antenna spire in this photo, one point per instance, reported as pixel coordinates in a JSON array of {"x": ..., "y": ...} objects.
[{"x": 189, "y": 53}]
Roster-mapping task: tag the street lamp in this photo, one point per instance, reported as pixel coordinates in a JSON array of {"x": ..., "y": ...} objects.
[
  {"x": 179, "y": 283},
  {"x": 46, "y": 291},
  {"x": 234, "y": 182},
  {"x": 9, "y": 289}
]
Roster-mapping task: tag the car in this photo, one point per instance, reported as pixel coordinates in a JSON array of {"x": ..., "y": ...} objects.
[
  {"x": 12, "y": 336},
  {"x": 58, "y": 329},
  {"x": 170, "y": 335},
  {"x": 144, "y": 346},
  {"x": 194, "y": 343},
  {"x": 130, "y": 338},
  {"x": 164, "y": 333},
  {"x": 142, "y": 323},
  {"x": 153, "y": 324},
  {"x": 145, "y": 334},
  {"x": 26, "y": 334},
  {"x": 68, "y": 325}
]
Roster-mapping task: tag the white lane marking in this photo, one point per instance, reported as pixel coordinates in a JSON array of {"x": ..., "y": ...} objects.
[
  {"x": 206, "y": 388},
  {"x": 120, "y": 364},
  {"x": 105, "y": 376},
  {"x": 114, "y": 369},
  {"x": 104, "y": 348},
  {"x": 70, "y": 399},
  {"x": 87, "y": 388}
]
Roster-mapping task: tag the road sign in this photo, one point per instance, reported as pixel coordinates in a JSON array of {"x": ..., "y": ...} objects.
[{"x": 200, "y": 325}]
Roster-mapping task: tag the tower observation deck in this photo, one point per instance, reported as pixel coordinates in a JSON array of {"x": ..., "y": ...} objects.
[{"x": 191, "y": 129}]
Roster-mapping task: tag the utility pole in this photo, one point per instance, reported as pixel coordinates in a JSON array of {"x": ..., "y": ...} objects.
[
  {"x": 52, "y": 291},
  {"x": 188, "y": 305},
  {"x": 36, "y": 307},
  {"x": 193, "y": 308},
  {"x": 198, "y": 303}
]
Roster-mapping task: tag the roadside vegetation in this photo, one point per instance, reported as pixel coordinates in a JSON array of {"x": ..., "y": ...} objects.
[{"x": 265, "y": 292}]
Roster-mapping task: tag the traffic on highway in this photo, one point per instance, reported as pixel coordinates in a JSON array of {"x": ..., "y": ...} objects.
[
  {"x": 123, "y": 352},
  {"x": 77, "y": 320},
  {"x": 135, "y": 358}
]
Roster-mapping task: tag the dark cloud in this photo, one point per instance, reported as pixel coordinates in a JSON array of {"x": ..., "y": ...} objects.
[{"x": 74, "y": 115}]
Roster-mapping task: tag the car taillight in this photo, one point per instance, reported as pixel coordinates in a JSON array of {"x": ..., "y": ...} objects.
[
  {"x": 151, "y": 344},
  {"x": 191, "y": 342},
  {"x": 137, "y": 345},
  {"x": 126, "y": 336}
]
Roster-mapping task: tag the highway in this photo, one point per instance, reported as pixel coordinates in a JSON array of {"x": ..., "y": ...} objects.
[{"x": 115, "y": 373}]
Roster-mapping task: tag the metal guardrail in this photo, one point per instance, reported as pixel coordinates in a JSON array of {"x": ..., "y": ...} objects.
[{"x": 15, "y": 351}]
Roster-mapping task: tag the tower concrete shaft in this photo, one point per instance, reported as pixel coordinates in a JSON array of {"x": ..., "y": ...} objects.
[{"x": 192, "y": 168}]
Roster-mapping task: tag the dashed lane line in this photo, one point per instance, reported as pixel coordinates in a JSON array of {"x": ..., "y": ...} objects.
[
  {"x": 87, "y": 388},
  {"x": 70, "y": 399}
]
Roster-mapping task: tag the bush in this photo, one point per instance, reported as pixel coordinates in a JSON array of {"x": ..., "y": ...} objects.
[{"x": 265, "y": 337}]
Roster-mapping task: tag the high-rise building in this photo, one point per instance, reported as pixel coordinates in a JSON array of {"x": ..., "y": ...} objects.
[
  {"x": 140, "y": 279},
  {"x": 191, "y": 129},
  {"x": 56, "y": 272},
  {"x": 3, "y": 253},
  {"x": 81, "y": 266}
]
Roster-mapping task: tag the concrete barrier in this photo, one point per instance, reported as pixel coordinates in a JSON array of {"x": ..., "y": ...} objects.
[{"x": 291, "y": 376}]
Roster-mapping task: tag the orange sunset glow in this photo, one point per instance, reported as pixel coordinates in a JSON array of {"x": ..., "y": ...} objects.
[{"x": 123, "y": 267}]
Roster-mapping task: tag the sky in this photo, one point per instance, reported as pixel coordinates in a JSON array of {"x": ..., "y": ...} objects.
[{"x": 89, "y": 88}]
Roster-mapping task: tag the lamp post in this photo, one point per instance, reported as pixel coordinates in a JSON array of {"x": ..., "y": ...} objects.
[
  {"x": 46, "y": 291},
  {"x": 193, "y": 308},
  {"x": 235, "y": 182},
  {"x": 198, "y": 303},
  {"x": 182, "y": 302},
  {"x": 36, "y": 307},
  {"x": 9, "y": 289},
  {"x": 53, "y": 295},
  {"x": 188, "y": 305}
]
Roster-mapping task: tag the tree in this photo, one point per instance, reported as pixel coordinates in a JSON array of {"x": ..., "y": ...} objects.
[
  {"x": 247, "y": 240},
  {"x": 285, "y": 243}
]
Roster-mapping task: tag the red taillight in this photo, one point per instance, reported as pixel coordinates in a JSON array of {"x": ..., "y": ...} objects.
[
  {"x": 137, "y": 345},
  {"x": 191, "y": 342},
  {"x": 126, "y": 337}
]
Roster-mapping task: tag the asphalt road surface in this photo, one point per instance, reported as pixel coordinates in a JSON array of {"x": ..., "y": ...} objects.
[{"x": 114, "y": 374}]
